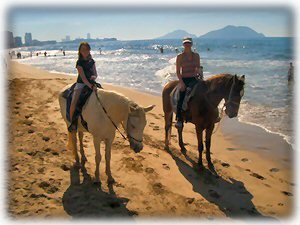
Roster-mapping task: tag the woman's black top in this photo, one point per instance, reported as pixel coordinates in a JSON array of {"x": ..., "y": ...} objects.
[{"x": 87, "y": 66}]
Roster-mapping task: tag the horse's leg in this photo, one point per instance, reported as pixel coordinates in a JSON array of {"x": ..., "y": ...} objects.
[
  {"x": 199, "y": 132},
  {"x": 180, "y": 139},
  {"x": 72, "y": 145},
  {"x": 168, "y": 129},
  {"x": 83, "y": 158},
  {"x": 97, "y": 159},
  {"x": 110, "y": 179},
  {"x": 208, "y": 142}
]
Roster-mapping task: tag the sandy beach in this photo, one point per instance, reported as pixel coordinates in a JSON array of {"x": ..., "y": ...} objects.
[{"x": 254, "y": 175}]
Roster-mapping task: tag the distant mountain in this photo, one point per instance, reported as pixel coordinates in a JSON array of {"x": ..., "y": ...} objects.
[
  {"x": 177, "y": 34},
  {"x": 233, "y": 32}
]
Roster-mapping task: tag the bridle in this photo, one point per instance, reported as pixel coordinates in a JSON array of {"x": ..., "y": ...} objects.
[
  {"x": 229, "y": 100},
  {"x": 128, "y": 135}
]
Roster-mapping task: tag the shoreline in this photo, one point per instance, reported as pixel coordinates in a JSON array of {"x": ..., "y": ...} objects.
[{"x": 249, "y": 183}]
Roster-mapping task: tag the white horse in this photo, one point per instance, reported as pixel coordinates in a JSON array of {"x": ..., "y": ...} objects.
[{"x": 121, "y": 110}]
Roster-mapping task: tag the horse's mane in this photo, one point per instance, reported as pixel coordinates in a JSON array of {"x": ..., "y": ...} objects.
[
  {"x": 217, "y": 80},
  {"x": 117, "y": 95},
  {"x": 221, "y": 76}
]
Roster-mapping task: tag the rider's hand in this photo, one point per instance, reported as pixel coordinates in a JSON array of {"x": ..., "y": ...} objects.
[
  {"x": 182, "y": 86},
  {"x": 93, "y": 77}
]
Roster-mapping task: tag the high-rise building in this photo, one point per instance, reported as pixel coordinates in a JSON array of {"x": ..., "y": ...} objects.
[
  {"x": 28, "y": 39},
  {"x": 9, "y": 39},
  {"x": 18, "y": 41},
  {"x": 88, "y": 36}
]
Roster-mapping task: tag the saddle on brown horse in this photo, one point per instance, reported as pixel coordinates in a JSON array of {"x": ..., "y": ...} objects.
[{"x": 190, "y": 92}]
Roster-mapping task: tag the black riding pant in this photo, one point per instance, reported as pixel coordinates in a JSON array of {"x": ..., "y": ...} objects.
[{"x": 189, "y": 82}]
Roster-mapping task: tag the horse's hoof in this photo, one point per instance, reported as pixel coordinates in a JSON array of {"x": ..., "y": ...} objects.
[
  {"x": 111, "y": 181},
  {"x": 97, "y": 182}
]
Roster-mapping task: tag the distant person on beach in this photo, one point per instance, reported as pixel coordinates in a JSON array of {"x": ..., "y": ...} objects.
[
  {"x": 37, "y": 54},
  {"x": 100, "y": 51},
  {"x": 291, "y": 73},
  {"x": 188, "y": 73},
  {"x": 87, "y": 73},
  {"x": 161, "y": 48},
  {"x": 19, "y": 56},
  {"x": 45, "y": 53},
  {"x": 176, "y": 50},
  {"x": 64, "y": 53}
]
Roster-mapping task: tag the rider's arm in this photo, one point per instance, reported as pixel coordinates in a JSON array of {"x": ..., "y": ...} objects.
[
  {"x": 94, "y": 70},
  {"x": 178, "y": 68},
  {"x": 198, "y": 67},
  {"x": 83, "y": 77},
  {"x": 197, "y": 59}
]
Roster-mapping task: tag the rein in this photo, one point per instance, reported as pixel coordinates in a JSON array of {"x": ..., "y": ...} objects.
[
  {"x": 230, "y": 95},
  {"x": 113, "y": 121}
]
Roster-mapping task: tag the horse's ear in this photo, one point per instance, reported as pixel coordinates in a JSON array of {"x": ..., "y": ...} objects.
[
  {"x": 148, "y": 108},
  {"x": 133, "y": 107},
  {"x": 242, "y": 78}
]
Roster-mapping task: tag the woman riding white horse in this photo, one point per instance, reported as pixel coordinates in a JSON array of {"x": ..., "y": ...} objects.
[{"x": 121, "y": 110}]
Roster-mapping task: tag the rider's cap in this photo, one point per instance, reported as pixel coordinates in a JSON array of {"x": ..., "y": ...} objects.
[{"x": 187, "y": 40}]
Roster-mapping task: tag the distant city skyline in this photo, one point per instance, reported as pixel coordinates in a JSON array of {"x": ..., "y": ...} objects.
[{"x": 139, "y": 24}]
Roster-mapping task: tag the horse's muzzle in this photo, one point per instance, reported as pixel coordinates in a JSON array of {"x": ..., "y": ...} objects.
[{"x": 136, "y": 146}]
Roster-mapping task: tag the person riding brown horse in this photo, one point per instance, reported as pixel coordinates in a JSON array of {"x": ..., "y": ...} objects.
[
  {"x": 203, "y": 108},
  {"x": 188, "y": 73}
]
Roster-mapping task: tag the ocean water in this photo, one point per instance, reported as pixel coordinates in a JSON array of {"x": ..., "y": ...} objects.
[{"x": 268, "y": 100}]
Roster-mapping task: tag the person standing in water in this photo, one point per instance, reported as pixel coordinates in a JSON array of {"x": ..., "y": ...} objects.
[{"x": 291, "y": 73}]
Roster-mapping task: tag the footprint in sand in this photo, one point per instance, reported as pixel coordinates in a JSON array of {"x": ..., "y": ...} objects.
[
  {"x": 149, "y": 170},
  {"x": 244, "y": 160},
  {"x": 225, "y": 164},
  {"x": 27, "y": 122},
  {"x": 287, "y": 193},
  {"x": 41, "y": 169},
  {"x": 30, "y": 131},
  {"x": 28, "y": 116},
  {"x": 50, "y": 186},
  {"x": 274, "y": 170},
  {"x": 257, "y": 176},
  {"x": 231, "y": 149},
  {"x": 156, "y": 128},
  {"x": 165, "y": 166},
  {"x": 158, "y": 188},
  {"x": 190, "y": 200},
  {"x": 45, "y": 138}
]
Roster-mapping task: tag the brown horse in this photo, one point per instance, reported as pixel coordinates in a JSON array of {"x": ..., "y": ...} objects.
[{"x": 203, "y": 108}]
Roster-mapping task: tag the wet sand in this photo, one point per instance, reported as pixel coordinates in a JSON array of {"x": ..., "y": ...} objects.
[{"x": 42, "y": 182}]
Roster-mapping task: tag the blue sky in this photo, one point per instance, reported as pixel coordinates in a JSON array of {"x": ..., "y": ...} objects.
[{"x": 143, "y": 23}]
